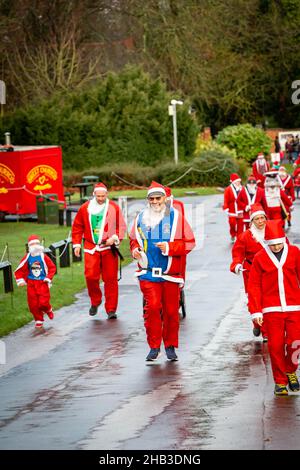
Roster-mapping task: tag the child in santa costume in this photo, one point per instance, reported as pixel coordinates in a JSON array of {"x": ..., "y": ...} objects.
[
  {"x": 249, "y": 195},
  {"x": 259, "y": 168},
  {"x": 36, "y": 270},
  {"x": 245, "y": 248},
  {"x": 274, "y": 300},
  {"x": 100, "y": 223},
  {"x": 275, "y": 202},
  {"x": 160, "y": 236},
  {"x": 230, "y": 206},
  {"x": 287, "y": 185}
]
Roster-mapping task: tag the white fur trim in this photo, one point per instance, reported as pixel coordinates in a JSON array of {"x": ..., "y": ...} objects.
[
  {"x": 254, "y": 316},
  {"x": 275, "y": 241},
  {"x": 287, "y": 308},
  {"x": 156, "y": 190},
  {"x": 33, "y": 242},
  {"x": 77, "y": 245}
]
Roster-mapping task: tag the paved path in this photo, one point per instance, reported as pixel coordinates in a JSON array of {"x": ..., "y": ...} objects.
[{"x": 84, "y": 384}]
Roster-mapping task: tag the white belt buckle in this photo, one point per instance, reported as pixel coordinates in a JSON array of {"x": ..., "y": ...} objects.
[{"x": 156, "y": 272}]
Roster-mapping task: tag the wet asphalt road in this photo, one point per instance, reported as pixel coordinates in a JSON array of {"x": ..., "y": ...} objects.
[{"x": 83, "y": 384}]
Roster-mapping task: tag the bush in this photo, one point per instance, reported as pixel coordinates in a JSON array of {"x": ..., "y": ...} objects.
[
  {"x": 122, "y": 118},
  {"x": 210, "y": 168},
  {"x": 246, "y": 140}
]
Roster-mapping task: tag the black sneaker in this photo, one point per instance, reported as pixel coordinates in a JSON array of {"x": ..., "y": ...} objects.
[
  {"x": 171, "y": 354},
  {"x": 153, "y": 354},
  {"x": 111, "y": 315},
  {"x": 93, "y": 310},
  {"x": 256, "y": 331},
  {"x": 293, "y": 382}
]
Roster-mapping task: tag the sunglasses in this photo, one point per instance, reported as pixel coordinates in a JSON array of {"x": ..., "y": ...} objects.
[{"x": 154, "y": 198}]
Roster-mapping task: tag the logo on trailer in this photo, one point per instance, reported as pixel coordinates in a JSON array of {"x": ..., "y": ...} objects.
[
  {"x": 7, "y": 176},
  {"x": 41, "y": 176}
]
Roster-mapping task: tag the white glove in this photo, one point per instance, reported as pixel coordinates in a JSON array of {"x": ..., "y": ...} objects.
[{"x": 238, "y": 269}]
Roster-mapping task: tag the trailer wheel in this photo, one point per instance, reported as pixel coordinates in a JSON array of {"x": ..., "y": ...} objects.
[{"x": 2, "y": 216}]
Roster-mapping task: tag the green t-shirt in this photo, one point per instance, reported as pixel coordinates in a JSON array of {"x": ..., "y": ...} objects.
[{"x": 97, "y": 222}]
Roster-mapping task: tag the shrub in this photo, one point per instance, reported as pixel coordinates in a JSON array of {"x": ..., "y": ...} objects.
[
  {"x": 246, "y": 140},
  {"x": 122, "y": 118}
]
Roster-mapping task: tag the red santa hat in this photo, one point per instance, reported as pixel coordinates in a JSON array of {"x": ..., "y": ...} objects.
[
  {"x": 168, "y": 191},
  {"x": 99, "y": 187},
  {"x": 282, "y": 168},
  {"x": 234, "y": 177},
  {"x": 156, "y": 188},
  {"x": 274, "y": 232},
  {"x": 33, "y": 240},
  {"x": 260, "y": 155},
  {"x": 256, "y": 209}
]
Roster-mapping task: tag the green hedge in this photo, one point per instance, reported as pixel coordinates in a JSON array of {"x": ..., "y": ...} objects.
[{"x": 214, "y": 168}]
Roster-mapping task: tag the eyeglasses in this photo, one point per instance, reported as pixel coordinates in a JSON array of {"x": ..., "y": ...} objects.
[
  {"x": 154, "y": 198},
  {"x": 251, "y": 182}
]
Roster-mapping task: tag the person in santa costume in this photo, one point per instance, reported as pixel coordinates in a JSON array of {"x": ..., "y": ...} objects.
[
  {"x": 274, "y": 301},
  {"x": 245, "y": 248},
  {"x": 36, "y": 271},
  {"x": 230, "y": 206},
  {"x": 275, "y": 202},
  {"x": 100, "y": 223},
  {"x": 259, "y": 168},
  {"x": 250, "y": 194},
  {"x": 287, "y": 185},
  {"x": 159, "y": 237}
]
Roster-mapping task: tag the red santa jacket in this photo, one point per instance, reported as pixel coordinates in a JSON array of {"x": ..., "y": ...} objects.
[
  {"x": 274, "y": 286},
  {"x": 181, "y": 242},
  {"x": 259, "y": 176},
  {"x": 114, "y": 224},
  {"x": 244, "y": 201},
  {"x": 288, "y": 187},
  {"x": 22, "y": 271},
  {"x": 244, "y": 250},
  {"x": 272, "y": 212},
  {"x": 230, "y": 202}
]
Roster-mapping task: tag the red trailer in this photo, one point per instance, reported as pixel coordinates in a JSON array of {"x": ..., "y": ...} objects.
[{"x": 27, "y": 172}]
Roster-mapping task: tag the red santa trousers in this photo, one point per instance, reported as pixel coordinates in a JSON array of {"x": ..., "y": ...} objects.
[
  {"x": 283, "y": 330},
  {"x": 161, "y": 312},
  {"x": 236, "y": 226},
  {"x": 38, "y": 297},
  {"x": 102, "y": 264}
]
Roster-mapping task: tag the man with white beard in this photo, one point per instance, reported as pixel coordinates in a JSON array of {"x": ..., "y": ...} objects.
[
  {"x": 159, "y": 239},
  {"x": 250, "y": 194},
  {"x": 245, "y": 248},
  {"x": 259, "y": 168},
  {"x": 36, "y": 270},
  {"x": 276, "y": 203}
]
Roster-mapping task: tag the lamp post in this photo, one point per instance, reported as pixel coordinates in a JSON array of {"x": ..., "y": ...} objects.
[{"x": 172, "y": 112}]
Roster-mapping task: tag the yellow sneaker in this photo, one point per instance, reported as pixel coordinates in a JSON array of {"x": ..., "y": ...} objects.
[
  {"x": 280, "y": 390},
  {"x": 293, "y": 382}
]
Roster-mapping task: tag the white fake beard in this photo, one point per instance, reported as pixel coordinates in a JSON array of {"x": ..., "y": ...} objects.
[
  {"x": 262, "y": 167},
  {"x": 238, "y": 186},
  {"x": 36, "y": 250},
  {"x": 258, "y": 235},
  {"x": 152, "y": 218},
  {"x": 94, "y": 207},
  {"x": 251, "y": 188}
]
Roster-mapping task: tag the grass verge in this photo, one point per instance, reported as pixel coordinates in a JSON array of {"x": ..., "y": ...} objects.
[{"x": 67, "y": 282}]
